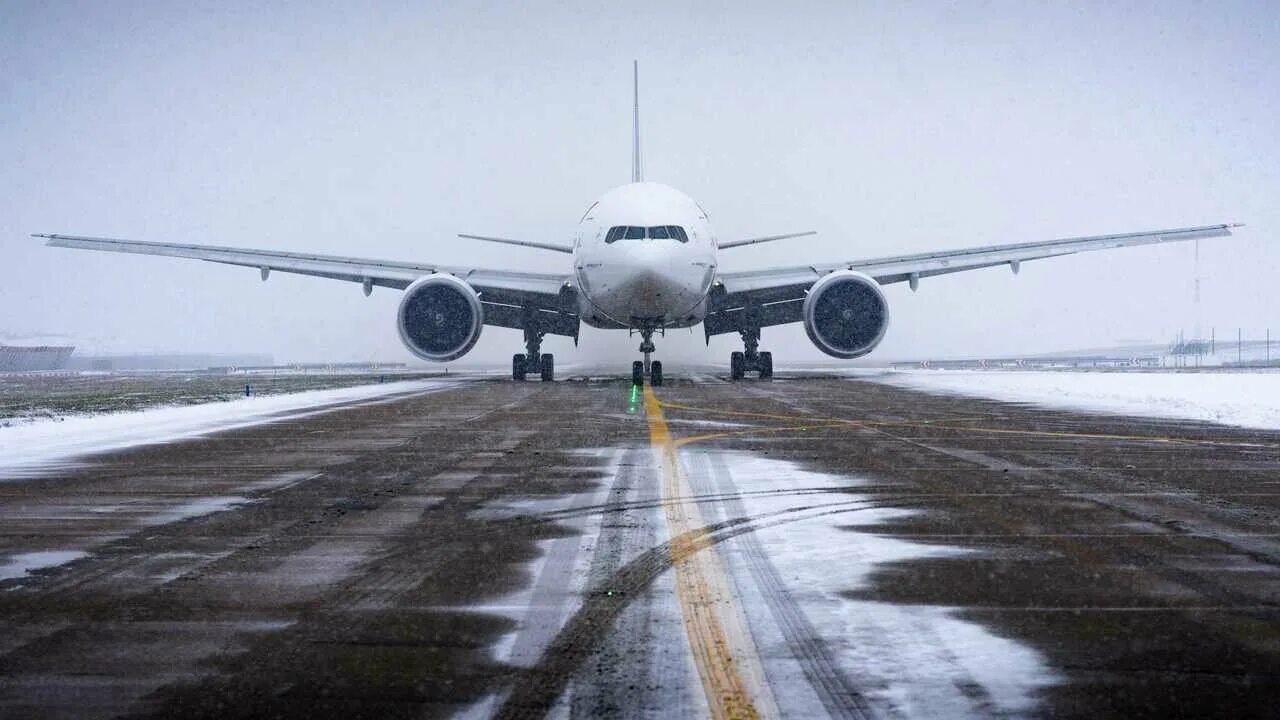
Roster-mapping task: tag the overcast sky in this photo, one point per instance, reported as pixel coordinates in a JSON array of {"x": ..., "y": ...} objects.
[{"x": 383, "y": 129}]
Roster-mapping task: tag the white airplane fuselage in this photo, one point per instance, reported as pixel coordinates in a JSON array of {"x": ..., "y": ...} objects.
[{"x": 638, "y": 280}]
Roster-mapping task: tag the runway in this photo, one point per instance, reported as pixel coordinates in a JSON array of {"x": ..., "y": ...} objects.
[{"x": 803, "y": 547}]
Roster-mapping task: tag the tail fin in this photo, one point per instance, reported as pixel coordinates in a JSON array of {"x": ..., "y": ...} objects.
[{"x": 637, "y": 163}]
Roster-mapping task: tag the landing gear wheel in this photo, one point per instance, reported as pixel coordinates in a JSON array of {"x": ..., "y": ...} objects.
[
  {"x": 655, "y": 373},
  {"x": 637, "y": 373},
  {"x": 548, "y": 367},
  {"x": 766, "y": 365},
  {"x": 736, "y": 363},
  {"x": 517, "y": 367}
]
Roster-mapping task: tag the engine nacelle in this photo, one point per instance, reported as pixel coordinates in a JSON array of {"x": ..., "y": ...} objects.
[
  {"x": 440, "y": 318},
  {"x": 845, "y": 314}
]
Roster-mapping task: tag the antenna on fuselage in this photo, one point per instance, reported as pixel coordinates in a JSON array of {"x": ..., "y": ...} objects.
[{"x": 637, "y": 163}]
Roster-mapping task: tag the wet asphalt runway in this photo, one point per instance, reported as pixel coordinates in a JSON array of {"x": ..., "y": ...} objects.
[{"x": 805, "y": 547}]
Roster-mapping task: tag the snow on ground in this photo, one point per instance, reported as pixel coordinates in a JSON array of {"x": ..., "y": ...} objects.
[
  {"x": 912, "y": 660},
  {"x": 1247, "y": 399},
  {"x": 29, "y": 446},
  {"x": 195, "y": 508},
  {"x": 20, "y": 565}
]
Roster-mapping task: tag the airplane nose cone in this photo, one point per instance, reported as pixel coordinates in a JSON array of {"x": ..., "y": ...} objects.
[
  {"x": 655, "y": 286},
  {"x": 646, "y": 281}
]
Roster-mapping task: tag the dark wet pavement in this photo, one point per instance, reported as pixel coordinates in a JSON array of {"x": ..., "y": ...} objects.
[{"x": 817, "y": 546}]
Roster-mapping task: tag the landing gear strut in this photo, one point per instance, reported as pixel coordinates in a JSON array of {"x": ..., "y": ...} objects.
[
  {"x": 751, "y": 359},
  {"x": 533, "y": 361},
  {"x": 652, "y": 368}
]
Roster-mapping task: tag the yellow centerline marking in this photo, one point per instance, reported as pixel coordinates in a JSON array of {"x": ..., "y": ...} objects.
[{"x": 701, "y": 588}]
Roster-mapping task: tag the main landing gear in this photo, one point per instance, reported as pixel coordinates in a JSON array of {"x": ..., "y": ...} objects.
[
  {"x": 533, "y": 362},
  {"x": 652, "y": 368},
  {"x": 751, "y": 359}
]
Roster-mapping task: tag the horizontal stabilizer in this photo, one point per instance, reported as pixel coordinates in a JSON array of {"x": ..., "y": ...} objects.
[
  {"x": 765, "y": 239},
  {"x": 521, "y": 243}
]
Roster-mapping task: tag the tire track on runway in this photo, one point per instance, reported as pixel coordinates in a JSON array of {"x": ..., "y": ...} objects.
[
  {"x": 836, "y": 691},
  {"x": 838, "y": 694},
  {"x": 536, "y": 690},
  {"x": 610, "y": 687},
  {"x": 1174, "y": 566}
]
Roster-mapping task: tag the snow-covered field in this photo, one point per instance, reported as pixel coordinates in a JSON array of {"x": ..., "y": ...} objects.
[
  {"x": 1247, "y": 399},
  {"x": 28, "y": 446}
]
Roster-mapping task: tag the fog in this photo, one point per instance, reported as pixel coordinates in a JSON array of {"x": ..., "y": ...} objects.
[{"x": 384, "y": 132}]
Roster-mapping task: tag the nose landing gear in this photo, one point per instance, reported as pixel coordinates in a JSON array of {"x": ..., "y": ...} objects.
[
  {"x": 533, "y": 361},
  {"x": 651, "y": 368},
  {"x": 751, "y": 359}
]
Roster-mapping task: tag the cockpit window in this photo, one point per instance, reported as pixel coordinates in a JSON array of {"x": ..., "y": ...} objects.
[{"x": 657, "y": 232}]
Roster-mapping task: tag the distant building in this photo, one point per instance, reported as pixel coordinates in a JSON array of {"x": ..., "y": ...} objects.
[{"x": 18, "y": 358}]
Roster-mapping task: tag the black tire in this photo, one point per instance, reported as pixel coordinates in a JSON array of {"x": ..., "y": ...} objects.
[
  {"x": 517, "y": 367},
  {"x": 637, "y": 373},
  {"x": 736, "y": 365},
  {"x": 655, "y": 373},
  {"x": 766, "y": 365},
  {"x": 548, "y": 367}
]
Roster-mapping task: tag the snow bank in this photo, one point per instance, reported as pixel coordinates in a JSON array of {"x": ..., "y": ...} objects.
[
  {"x": 27, "y": 447},
  {"x": 1247, "y": 399}
]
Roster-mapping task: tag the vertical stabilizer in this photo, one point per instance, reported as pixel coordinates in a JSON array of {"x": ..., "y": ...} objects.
[{"x": 637, "y": 163}]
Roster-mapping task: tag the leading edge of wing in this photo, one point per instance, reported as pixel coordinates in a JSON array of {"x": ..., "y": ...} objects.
[
  {"x": 1061, "y": 246},
  {"x": 901, "y": 267},
  {"x": 335, "y": 266}
]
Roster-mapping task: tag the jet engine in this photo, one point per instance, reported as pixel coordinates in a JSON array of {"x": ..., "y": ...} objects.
[
  {"x": 440, "y": 318},
  {"x": 845, "y": 314}
]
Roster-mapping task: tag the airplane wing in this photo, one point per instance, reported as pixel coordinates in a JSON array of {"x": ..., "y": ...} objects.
[
  {"x": 506, "y": 294},
  {"x": 775, "y": 295}
]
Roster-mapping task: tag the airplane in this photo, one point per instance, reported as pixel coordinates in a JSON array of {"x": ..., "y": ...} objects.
[{"x": 644, "y": 259}]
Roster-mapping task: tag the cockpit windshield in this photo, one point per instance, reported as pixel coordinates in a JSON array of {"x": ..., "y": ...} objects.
[{"x": 656, "y": 232}]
